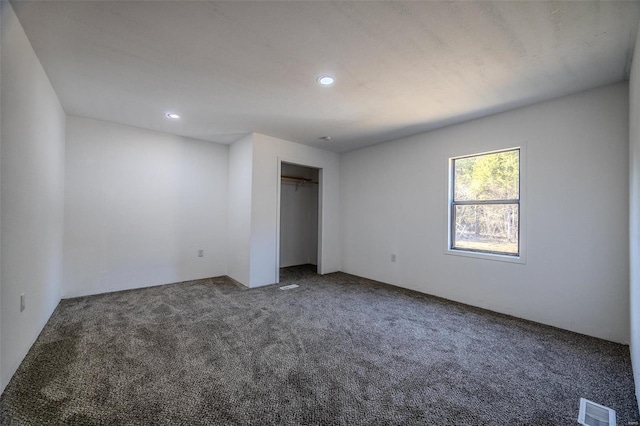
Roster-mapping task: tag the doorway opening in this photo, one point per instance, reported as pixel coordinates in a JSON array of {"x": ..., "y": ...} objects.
[{"x": 299, "y": 221}]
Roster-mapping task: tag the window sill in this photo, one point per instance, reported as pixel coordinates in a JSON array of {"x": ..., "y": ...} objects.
[{"x": 487, "y": 256}]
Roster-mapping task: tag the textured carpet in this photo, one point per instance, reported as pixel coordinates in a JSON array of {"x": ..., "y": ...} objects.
[{"x": 337, "y": 350}]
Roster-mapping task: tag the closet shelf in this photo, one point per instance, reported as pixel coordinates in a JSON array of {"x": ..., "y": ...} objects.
[{"x": 298, "y": 181}]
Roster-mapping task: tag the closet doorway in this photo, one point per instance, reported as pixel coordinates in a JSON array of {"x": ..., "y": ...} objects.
[{"x": 299, "y": 222}]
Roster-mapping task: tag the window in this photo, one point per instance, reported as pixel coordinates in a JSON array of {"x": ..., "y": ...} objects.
[{"x": 484, "y": 203}]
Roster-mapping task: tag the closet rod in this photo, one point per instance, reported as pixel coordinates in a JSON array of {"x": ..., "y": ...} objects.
[{"x": 297, "y": 179}]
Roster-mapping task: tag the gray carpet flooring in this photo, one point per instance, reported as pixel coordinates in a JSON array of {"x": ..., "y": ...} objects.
[{"x": 337, "y": 350}]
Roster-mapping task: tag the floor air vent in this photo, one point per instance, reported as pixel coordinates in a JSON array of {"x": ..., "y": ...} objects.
[
  {"x": 289, "y": 287},
  {"x": 592, "y": 414}
]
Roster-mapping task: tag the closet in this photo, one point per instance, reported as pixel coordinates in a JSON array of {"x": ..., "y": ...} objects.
[{"x": 298, "y": 215}]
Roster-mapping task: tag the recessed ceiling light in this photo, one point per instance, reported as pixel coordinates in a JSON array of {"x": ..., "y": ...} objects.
[
  {"x": 172, "y": 115},
  {"x": 325, "y": 138},
  {"x": 325, "y": 80}
]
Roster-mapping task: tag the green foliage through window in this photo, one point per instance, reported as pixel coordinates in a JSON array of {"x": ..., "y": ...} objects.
[{"x": 485, "y": 203}]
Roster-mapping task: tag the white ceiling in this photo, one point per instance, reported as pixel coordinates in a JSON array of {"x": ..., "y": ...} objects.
[{"x": 230, "y": 68}]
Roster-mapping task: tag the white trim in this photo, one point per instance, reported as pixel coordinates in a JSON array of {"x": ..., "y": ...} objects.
[
  {"x": 278, "y": 201},
  {"x": 485, "y": 256},
  {"x": 320, "y": 211},
  {"x": 522, "y": 215}
]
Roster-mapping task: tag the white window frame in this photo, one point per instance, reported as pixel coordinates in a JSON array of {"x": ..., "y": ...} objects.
[{"x": 521, "y": 257}]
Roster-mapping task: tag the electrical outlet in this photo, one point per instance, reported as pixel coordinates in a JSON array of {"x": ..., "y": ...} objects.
[
  {"x": 200, "y": 253},
  {"x": 22, "y": 306},
  {"x": 393, "y": 257}
]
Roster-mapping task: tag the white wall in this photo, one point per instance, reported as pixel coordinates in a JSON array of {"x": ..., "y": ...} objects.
[
  {"x": 298, "y": 224},
  {"x": 634, "y": 211},
  {"x": 3, "y": 4},
  {"x": 576, "y": 273},
  {"x": 32, "y": 179},
  {"x": 239, "y": 209},
  {"x": 139, "y": 205},
  {"x": 267, "y": 152}
]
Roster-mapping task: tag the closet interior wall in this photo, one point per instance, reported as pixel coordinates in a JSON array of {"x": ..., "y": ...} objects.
[{"x": 298, "y": 215}]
